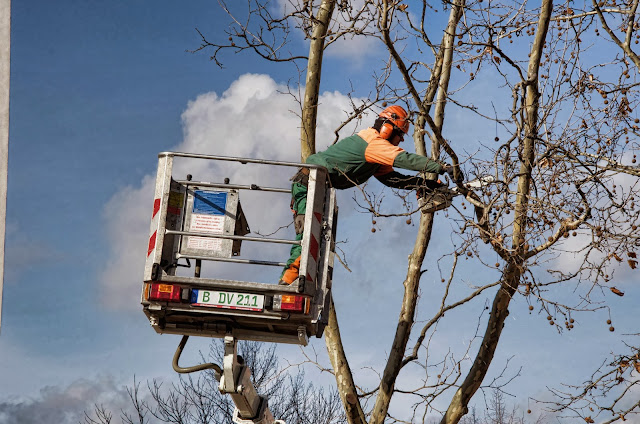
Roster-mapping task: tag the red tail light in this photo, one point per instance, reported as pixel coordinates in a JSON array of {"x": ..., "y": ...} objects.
[
  {"x": 286, "y": 302},
  {"x": 166, "y": 292}
]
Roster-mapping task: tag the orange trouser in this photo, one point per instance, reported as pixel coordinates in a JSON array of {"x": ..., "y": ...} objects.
[
  {"x": 298, "y": 207},
  {"x": 290, "y": 274}
]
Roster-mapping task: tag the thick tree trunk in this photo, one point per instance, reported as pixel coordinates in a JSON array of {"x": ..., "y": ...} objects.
[
  {"x": 499, "y": 312},
  {"x": 335, "y": 349},
  {"x": 438, "y": 85},
  {"x": 513, "y": 272},
  {"x": 312, "y": 85},
  {"x": 442, "y": 83},
  {"x": 344, "y": 378},
  {"x": 412, "y": 282},
  {"x": 405, "y": 321}
]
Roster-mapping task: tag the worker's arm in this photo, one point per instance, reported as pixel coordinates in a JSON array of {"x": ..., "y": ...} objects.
[
  {"x": 389, "y": 156},
  {"x": 411, "y": 161},
  {"x": 397, "y": 180}
]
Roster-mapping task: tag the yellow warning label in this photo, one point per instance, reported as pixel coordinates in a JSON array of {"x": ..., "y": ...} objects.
[{"x": 176, "y": 200}]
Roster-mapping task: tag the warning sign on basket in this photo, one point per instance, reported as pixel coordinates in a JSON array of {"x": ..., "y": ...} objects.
[{"x": 207, "y": 217}]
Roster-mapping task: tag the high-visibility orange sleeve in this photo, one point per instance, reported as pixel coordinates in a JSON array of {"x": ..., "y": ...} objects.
[{"x": 378, "y": 149}]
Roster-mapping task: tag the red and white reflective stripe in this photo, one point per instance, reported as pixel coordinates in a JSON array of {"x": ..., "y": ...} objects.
[
  {"x": 314, "y": 250},
  {"x": 154, "y": 223},
  {"x": 156, "y": 207},
  {"x": 152, "y": 242},
  {"x": 313, "y": 247}
]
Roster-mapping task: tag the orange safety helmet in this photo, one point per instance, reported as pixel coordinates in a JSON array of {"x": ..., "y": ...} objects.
[{"x": 394, "y": 117}]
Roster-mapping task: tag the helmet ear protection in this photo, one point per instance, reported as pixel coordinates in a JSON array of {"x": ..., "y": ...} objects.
[
  {"x": 387, "y": 128},
  {"x": 394, "y": 119}
]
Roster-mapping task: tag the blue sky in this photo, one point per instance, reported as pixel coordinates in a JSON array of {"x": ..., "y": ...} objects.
[{"x": 97, "y": 90}]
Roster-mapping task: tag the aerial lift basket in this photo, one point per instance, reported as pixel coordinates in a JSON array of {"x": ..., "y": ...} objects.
[{"x": 195, "y": 221}]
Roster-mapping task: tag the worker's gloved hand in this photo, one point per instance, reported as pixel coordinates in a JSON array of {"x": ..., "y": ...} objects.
[
  {"x": 427, "y": 186},
  {"x": 449, "y": 170},
  {"x": 432, "y": 184}
]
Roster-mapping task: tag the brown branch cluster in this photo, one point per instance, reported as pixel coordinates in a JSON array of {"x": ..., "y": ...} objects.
[{"x": 566, "y": 133}]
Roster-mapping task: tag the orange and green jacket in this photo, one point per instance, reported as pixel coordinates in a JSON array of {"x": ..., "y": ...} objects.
[{"x": 355, "y": 159}]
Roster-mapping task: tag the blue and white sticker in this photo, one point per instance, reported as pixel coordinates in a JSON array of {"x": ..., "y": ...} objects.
[
  {"x": 209, "y": 202},
  {"x": 209, "y": 209}
]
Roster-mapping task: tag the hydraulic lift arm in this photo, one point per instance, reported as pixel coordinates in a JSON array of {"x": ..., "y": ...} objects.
[{"x": 235, "y": 380}]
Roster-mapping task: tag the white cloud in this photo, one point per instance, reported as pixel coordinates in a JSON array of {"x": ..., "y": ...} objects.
[
  {"x": 127, "y": 217},
  {"x": 66, "y": 405},
  {"x": 251, "y": 119},
  {"x": 573, "y": 250}
]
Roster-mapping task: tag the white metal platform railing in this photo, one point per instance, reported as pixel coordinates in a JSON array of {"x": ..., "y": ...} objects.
[{"x": 176, "y": 235}]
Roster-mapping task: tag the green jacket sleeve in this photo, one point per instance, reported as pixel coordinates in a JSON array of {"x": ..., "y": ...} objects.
[{"x": 406, "y": 160}]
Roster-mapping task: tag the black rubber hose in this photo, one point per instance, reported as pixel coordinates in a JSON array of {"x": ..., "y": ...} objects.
[{"x": 195, "y": 368}]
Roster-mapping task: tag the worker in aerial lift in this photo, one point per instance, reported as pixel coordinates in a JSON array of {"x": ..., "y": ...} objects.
[{"x": 353, "y": 160}]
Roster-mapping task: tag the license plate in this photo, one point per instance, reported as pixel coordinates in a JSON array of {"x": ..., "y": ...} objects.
[{"x": 227, "y": 300}]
